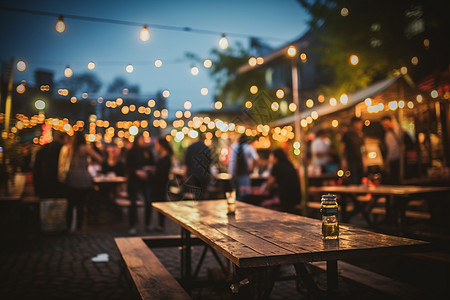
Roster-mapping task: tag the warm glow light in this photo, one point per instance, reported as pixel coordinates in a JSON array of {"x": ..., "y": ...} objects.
[
  {"x": 151, "y": 103},
  {"x": 193, "y": 134},
  {"x": 259, "y": 60},
  {"x": 73, "y": 99},
  {"x": 144, "y": 35},
  {"x": 91, "y": 65},
  {"x": 415, "y": 60},
  {"x": 39, "y": 104},
  {"x": 291, "y": 51},
  {"x": 133, "y": 130},
  {"x": 426, "y": 43},
  {"x": 419, "y": 98},
  {"x": 292, "y": 107},
  {"x": 248, "y": 104},
  {"x": 368, "y": 101},
  {"x": 314, "y": 115},
  {"x": 91, "y": 137},
  {"x": 303, "y": 57},
  {"x": 129, "y": 68},
  {"x": 60, "y": 26},
  {"x": 21, "y": 65},
  {"x": 296, "y": 145},
  {"x": 344, "y": 99},
  {"x": 367, "y": 122},
  {"x": 187, "y": 105},
  {"x": 253, "y": 89},
  {"x": 335, "y": 123},
  {"x": 223, "y": 42},
  {"x": 434, "y": 94},
  {"x": 187, "y": 114},
  {"x": 204, "y": 91},
  {"x": 280, "y": 93},
  {"x": 158, "y": 63},
  {"x": 125, "y": 110},
  {"x": 340, "y": 173},
  {"x": 344, "y": 12},
  {"x": 132, "y": 107},
  {"x": 20, "y": 88},
  {"x": 84, "y": 95},
  {"x": 403, "y": 70},
  {"x": 194, "y": 71},
  {"x": 304, "y": 123},
  {"x": 393, "y": 105},
  {"x": 218, "y": 105},
  {"x": 207, "y": 63},
  {"x": 321, "y": 98},
  {"x": 275, "y": 106},
  {"x": 333, "y": 101},
  {"x": 410, "y": 104},
  {"x": 372, "y": 155},
  {"x": 354, "y": 60},
  {"x": 166, "y": 93},
  {"x": 252, "y": 61},
  {"x": 309, "y": 103},
  {"x": 68, "y": 72},
  {"x": 179, "y": 114}
]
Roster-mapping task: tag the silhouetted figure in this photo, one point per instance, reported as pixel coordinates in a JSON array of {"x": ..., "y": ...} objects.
[
  {"x": 284, "y": 182},
  {"x": 243, "y": 159},
  {"x": 45, "y": 170},
  {"x": 353, "y": 151},
  {"x": 394, "y": 146},
  {"x": 139, "y": 162},
  {"x": 197, "y": 162},
  {"x": 77, "y": 179}
]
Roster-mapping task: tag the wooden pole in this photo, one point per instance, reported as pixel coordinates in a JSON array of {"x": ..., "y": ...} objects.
[
  {"x": 297, "y": 129},
  {"x": 9, "y": 97}
]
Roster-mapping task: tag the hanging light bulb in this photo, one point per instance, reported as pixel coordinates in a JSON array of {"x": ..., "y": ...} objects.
[
  {"x": 60, "y": 26},
  {"x": 68, "y": 72},
  {"x": 145, "y": 34},
  {"x": 223, "y": 42}
]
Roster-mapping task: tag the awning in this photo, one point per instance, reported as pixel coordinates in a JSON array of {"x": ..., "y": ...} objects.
[{"x": 353, "y": 99}]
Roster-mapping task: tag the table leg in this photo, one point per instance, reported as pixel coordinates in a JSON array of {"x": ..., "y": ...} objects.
[
  {"x": 332, "y": 275},
  {"x": 186, "y": 254}
]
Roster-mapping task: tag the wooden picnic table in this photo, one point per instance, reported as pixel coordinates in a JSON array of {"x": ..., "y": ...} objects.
[
  {"x": 397, "y": 197},
  {"x": 256, "y": 238}
]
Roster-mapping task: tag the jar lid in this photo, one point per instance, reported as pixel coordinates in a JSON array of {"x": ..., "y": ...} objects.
[{"x": 329, "y": 197}]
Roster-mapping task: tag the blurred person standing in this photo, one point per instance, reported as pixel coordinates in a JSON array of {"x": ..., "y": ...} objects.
[
  {"x": 353, "y": 151},
  {"x": 242, "y": 161},
  {"x": 45, "y": 169},
  {"x": 113, "y": 162},
  {"x": 139, "y": 162},
  {"x": 197, "y": 164},
  {"x": 73, "y": 169},
  {"x": 320, "y": 150},
  {"x": 161, "y": 176},
  {"x": 394, "y": 146}
]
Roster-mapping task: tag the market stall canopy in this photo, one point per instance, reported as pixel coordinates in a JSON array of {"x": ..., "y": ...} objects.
[{"x": 353, "y": 99}]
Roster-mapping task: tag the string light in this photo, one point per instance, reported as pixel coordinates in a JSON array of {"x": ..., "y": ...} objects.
[
  {"x": 21, "y": 65},
  {"x": 280, "y": 93},
  {"x": 292, "y": 107},
  {"x": 403, "y": 70},
  {"x": 144, "y": 35},
  {"x": 415, "y": 60},
  {"x": 354, "y": 60},
  {"x": 20, "y": 88},
  {"x": 204, "y": 91},
  {"x": 207, "y": 63},
  {"x": 60, "y": 26},
  {"x": 291, "y": 51},
  {"x": 166, "y": 94},
  {"x": 194, "y": 71},
  {"x": 344, "y": 12},
  {"x": 187, "y": 105},
  {"x": 252, "y": 61},
  {"x": 39, "y": 104},
  {"x": 91, "y": 65},
  {"x": 223, "y": 42},
  {"x": 68, "y": 72},
  {"x": 129, "y": 68},
  {"x": 253, "y": 89}
]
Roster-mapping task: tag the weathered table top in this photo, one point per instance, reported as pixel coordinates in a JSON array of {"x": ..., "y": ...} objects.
[
  {"x": 395, "y": 190},
  {"x": 257, "y": 237}
]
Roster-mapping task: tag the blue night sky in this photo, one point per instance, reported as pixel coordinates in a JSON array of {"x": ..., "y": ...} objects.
[{"x": 33, "y": 38}]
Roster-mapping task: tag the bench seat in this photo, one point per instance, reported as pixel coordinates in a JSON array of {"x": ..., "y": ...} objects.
[{"x": 150, "y": 277}]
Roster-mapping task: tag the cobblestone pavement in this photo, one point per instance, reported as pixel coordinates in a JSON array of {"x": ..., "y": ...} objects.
[{"x": 59, "y": 266}]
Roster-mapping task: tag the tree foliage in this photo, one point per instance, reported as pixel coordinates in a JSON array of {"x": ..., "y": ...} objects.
[
  {"x": 232, "y": 86},
  {"x": 81, "y": 83},
  {"x": 384, "y": 34},
  {"x": 119, "y": 84}
]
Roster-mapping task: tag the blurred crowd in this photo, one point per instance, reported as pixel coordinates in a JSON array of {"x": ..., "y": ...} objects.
[{"x": 66, "y": 168}]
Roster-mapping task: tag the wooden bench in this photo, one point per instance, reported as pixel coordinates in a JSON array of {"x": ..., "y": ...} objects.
[
  {"x": 150, "y": 277},
  {"x": 376, "y": 281}
]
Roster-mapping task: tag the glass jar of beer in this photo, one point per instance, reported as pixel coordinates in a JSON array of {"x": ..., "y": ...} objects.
[{"x": 329, "y": 210}]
